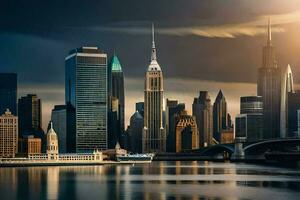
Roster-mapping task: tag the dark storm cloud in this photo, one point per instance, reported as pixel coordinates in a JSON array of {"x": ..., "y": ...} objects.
[{"x": 37, "y": 35}]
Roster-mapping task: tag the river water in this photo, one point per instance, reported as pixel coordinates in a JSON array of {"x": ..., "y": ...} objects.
[{"x": 158, "y": 180}]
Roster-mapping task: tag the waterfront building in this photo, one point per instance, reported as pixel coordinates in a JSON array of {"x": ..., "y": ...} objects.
[
  {"x": 203, "y": 112},
  {"x": 293, "y": 106},
  {"x": 117, "y": 92},
  {"x": 187, "y": 136},
  {"x": 268, "y": 86},
  {"x": 154, "y": 137},
  {"x": 136, "y": 132},
  {"x": 86, "y": 78},
  {"x": 8, "y": 135},
  {"x": 59, "y": 120},
  {"x": 173, "y": 109},
  {"x": 52, "y": 153},
  {"x": 30, "y": 116},
  {"x": 52, "y": 144},
  {"x": 139, "y": 106},
  {"x": 287, "y": 86},
  {"x": 251, "y": 118},
  {"x": 8, "y": 92},
  {"x": 219, "y": 116},
  {"x": 30, "y": 145}
]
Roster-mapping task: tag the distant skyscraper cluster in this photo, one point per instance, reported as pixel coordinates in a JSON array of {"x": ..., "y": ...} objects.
[
  {"x": 93, "y": 116},
  {"x": 273, "y": 113}
]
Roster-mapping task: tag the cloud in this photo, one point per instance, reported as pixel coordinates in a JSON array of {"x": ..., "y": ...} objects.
[{"x": 256, "y": 26}]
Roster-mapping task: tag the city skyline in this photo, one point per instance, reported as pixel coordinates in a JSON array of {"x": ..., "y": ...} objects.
[
  {"x": 223, "y": 54},
  {"x": 150, "y": 99}
]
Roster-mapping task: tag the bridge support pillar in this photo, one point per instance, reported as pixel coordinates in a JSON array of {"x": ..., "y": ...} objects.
[{"x": 239, "y": 149}]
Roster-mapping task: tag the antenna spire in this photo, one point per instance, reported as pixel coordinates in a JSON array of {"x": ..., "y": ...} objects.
[
  {"x": 153, "y": 41},
  {"x": 269, "y": 32},
  {"x": 153, "y": 54}
]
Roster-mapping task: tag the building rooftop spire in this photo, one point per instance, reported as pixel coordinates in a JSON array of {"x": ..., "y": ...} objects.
[
  {"x": 51, "y": 125},
  {"x": 115, "y": 64},
  {"x": 153, "y": 54},
  {"x": 269, "y": 32},
  {"x": 220, "y": 95}
]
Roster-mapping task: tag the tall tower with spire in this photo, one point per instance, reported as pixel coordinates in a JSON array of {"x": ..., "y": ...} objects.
[
  {"x": 220, "y": 121},
  {"x": 154, "y": 138},
  {"x": 268, "y": 86},
  {"x": 117, "y": 103},
  {"x": 287, "y": 86}
]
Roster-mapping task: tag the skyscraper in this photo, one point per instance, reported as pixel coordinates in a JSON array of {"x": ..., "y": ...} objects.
[
  {"x": 187, "y": 136},
  {"x": 154, "y": 138},
  {"x": 293, "y": 106},
  {"x": 139, "y": 106},
  {"x": 203, "y": 112},
  {"x": 86, "y": 98},
  {"x": 136, "y": 132},
  {"x": 268, "y": 86},
  {"x": 30, "y": 116},
  {"x": 173, "y": 110},
  {"x": 249, "y": 124},
  {"x": 59, "y": 120},
  {"x": 114, "y": 135},
  {"x": 287, "y": 86},
  {"x": 219, "y": 116},
  {"x": 8, "y": 134},
  {"x": 8, "y": 92},
  {"x": 117, "y": 91}
]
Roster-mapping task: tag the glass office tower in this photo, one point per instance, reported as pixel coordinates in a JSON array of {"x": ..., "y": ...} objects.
[{"x": 86, "y": 99}]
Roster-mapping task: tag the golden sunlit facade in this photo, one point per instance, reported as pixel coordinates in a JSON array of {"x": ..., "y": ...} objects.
[
  {"x": 187, "y": 135},
  {"x": 154, "y": 137},
  {"x": 8, "y": 135}
]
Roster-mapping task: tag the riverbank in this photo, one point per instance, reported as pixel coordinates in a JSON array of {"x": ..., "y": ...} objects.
[{"x": 53, "y": 163}]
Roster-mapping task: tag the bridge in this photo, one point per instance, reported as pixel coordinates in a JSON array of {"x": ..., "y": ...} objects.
[{"x": 249, "y": 150}]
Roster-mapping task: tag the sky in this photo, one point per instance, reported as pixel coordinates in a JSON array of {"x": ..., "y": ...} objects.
[{"x": 201, "y": 44}]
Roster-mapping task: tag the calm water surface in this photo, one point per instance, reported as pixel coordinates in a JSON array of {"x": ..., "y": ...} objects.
[{"x": 158, "y": 180}]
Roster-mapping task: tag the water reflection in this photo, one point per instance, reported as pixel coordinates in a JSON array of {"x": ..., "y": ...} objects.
[{"x": 158, "y": 180}]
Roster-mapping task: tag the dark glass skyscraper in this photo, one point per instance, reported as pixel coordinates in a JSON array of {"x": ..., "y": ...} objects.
[
  {"x": 30, "y": 115},
  {"x": 117, "y": 91},
  {"x": 136, "y": 132},
  {"x": 86, "y": 99},
  {"x": 219, "y": 116},
  {"x": 249, "y": 124},
  {"x": 268, "y": 86},
  {"x": 8, "y": 92},
  {"x": 139, "y": 106},
  {"x": 293, "y": 106}
]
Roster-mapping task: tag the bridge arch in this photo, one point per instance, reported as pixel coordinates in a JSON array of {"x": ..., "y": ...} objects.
[
  {"x": 261, "y": 147},
  {"x": 217, "y": 150}
]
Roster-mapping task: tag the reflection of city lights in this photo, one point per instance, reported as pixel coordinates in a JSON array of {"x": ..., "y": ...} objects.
[{"x": 52, "y": 182}]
